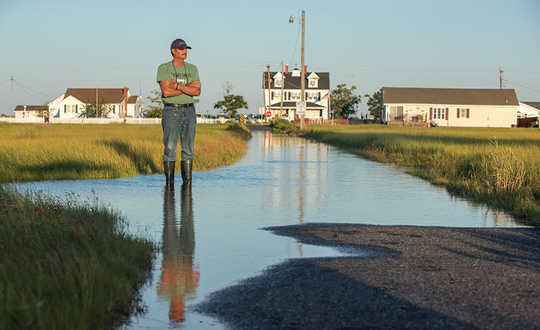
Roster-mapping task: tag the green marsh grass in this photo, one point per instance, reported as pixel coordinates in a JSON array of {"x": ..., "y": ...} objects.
[
  {"x": 54, "y": 152},
  {"x": 67, "y": 264},
  {"x": 496, "y": 166}
]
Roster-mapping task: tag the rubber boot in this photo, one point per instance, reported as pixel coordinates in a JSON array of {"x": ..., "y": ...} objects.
[
  {"x": 186, "y": 167},
  {"x": 169, "y": 174}
]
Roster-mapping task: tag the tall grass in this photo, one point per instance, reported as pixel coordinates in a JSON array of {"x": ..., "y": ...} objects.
[
  {"x": 33, "y": 152},
  {"x": 66, "y": 264},
  {"x": 500, "y": 167}
]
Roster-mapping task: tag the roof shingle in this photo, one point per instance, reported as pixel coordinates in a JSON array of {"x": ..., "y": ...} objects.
[
  {"x": 294, "y": 82},
  {"x": 450, "y": 96}
]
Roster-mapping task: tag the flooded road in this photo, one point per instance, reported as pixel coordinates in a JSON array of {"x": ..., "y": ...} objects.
[{"x": 210, "y": 235}]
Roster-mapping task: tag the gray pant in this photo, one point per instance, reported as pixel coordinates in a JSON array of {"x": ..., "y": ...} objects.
[{"x": 178, "y": 123}]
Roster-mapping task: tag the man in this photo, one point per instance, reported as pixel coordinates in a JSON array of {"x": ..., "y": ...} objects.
[{"x": 179, "y": 82}]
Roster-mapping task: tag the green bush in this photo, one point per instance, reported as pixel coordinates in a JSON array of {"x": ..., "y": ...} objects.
[{"x": 283, "y": 126}]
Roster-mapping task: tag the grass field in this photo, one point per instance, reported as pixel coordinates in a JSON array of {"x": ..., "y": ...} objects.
[
  {"x": 53, "y": 152},
  {"x": 497, "y": 166},
  {"x": 67, "y": 264}
]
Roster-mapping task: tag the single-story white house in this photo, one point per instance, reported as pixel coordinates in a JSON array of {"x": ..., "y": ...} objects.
[
  {"x": 31, "y": 112},
  {"x": 528, "y": 110},
  {"x": 120, "y": 103},
  {"x": 450, "y": 106}
]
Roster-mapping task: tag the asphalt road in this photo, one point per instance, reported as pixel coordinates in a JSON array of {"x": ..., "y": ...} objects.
[{"x": 414, "y": 277}]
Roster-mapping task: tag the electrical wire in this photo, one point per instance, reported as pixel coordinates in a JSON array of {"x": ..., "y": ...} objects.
[
  {"x": 521, "y": 85},
  {"x": 30, "y": 90}
]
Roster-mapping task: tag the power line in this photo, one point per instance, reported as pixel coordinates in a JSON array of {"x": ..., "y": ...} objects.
[
  {"x": 521, "y": 85},
  {"x": 31, "y": 90}
]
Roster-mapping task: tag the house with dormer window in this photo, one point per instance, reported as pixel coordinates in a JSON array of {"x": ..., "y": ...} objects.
[{"x": 285, "y": 92}]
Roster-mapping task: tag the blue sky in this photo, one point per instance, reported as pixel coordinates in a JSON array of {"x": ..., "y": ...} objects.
[{"x": 49, "y": 46}]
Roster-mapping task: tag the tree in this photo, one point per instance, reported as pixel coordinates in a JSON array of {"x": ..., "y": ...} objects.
[
  {"x": 96, "y": 110},
  {"x": 343, "y": 101},
  {"x": 155, "y": 109},
  {"x": 374, "y": 103},
  {"x": 231, "y": 103}
]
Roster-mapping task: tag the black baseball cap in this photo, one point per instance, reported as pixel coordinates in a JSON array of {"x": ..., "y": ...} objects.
[{"x": 180, "y": 44}]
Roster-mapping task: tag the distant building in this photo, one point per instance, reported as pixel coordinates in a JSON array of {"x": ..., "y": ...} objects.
[
  {"x": 450, "y": 107},
  {"x": 317, "y": 94},
  {"x": 31, "y": 112},
  {"x": 528, "y": 110},
  {"x": 72, "y": 103}
]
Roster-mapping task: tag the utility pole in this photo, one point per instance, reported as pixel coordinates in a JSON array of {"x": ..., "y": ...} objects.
[
  {"x": 303, "y": 74},
  {"x": 500, "y": 78},
  {"x": 268, "y": 82},
  {"x": 11, "y": 98},
  {"x": 282, "y": 87}
]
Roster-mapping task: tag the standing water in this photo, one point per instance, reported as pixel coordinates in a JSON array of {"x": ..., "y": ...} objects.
[{"x": 210, "y": 235}]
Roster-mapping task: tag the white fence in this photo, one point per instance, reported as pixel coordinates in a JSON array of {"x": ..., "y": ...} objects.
[{"x": 102, "y": 121}]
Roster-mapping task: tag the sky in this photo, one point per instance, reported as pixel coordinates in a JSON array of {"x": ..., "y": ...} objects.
[{"x": 48, "y": 46}]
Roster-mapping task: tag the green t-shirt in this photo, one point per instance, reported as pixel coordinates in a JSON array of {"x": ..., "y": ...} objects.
[{"x": 185, "y": 75}]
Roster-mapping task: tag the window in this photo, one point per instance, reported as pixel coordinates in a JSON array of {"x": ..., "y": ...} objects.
[
  {"x": 396, "y": 112},
  {"x": 462, "y": 113},
  {"x": 278, "y": 82},
  {"x": 65, "y": 108},
  {"x": 114, "y": 108},
  {"x": 313, "y": 83},
  {"x": 439, "y": 113},
  {"x": 76, "y": 108}
]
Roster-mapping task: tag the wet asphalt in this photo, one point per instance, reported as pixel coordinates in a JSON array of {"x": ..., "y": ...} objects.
[{"x": 413, "y": 277}]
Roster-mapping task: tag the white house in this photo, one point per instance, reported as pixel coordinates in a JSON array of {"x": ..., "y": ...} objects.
[
  {"x": 450, "y": 107},
  {"x": 73, "y": 102},
  {"x": 31, "y": 113},
  {"x": 528, "y": 110},
  {"x": 285, "y": 92}
]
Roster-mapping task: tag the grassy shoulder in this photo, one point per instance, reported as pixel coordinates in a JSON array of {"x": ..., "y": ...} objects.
[
  {"x": 66, "y": 264},
  {"x": 35, "y": 152},
  {"x": 499, "y": 167}
]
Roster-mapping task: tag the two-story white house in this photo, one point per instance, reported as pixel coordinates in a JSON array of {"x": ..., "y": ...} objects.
[
  {"x": 459, "y": 107},
  {"x": 73, "y": 102},
  {"x": 285, "y": 92}
]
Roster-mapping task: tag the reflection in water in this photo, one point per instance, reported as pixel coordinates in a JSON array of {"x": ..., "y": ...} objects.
[{"x": 179, "y": 274}]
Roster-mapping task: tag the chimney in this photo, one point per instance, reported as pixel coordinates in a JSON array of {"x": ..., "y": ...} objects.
[
  {"x": 286, "y": 68},
  {"x": 125, "y": 94},
  {"x": 305, "y": 69}
]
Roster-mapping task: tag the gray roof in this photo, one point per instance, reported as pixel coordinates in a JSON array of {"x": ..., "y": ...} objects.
[
  {"x": 32, "y": 108},
  {"x": 463, "y": 96},
  {"x": 294, "y": 82},
  {"x": 533, "y": 104},
  {"x": 288, "y": 104}
]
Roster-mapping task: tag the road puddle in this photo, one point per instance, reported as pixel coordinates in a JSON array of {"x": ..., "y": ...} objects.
[{"x": 209, "y": 234}]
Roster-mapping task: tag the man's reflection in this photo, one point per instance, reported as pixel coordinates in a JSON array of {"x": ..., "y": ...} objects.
[{"x": 179, "y": 273}]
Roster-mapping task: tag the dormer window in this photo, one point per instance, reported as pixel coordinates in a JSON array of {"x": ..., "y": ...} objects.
[
  {"x": 296, "y": 73},
  {"x": 313, "y": 80},
  {"x": 278, "y": 79}
]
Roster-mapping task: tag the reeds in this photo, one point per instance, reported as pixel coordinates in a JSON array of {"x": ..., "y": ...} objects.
[
  {"x": 500, "y": 167},
  {"x": 53, "y": 152},
  {"x": 66, "y": 264}
]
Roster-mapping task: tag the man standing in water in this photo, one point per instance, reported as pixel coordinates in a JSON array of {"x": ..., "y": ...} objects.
[{"x": 179, "y": 82}]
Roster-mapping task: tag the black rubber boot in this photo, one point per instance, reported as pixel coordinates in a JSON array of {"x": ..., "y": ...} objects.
[
  {"x": 185, "y": 167},
  {"x": 169, "y": 173}
]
